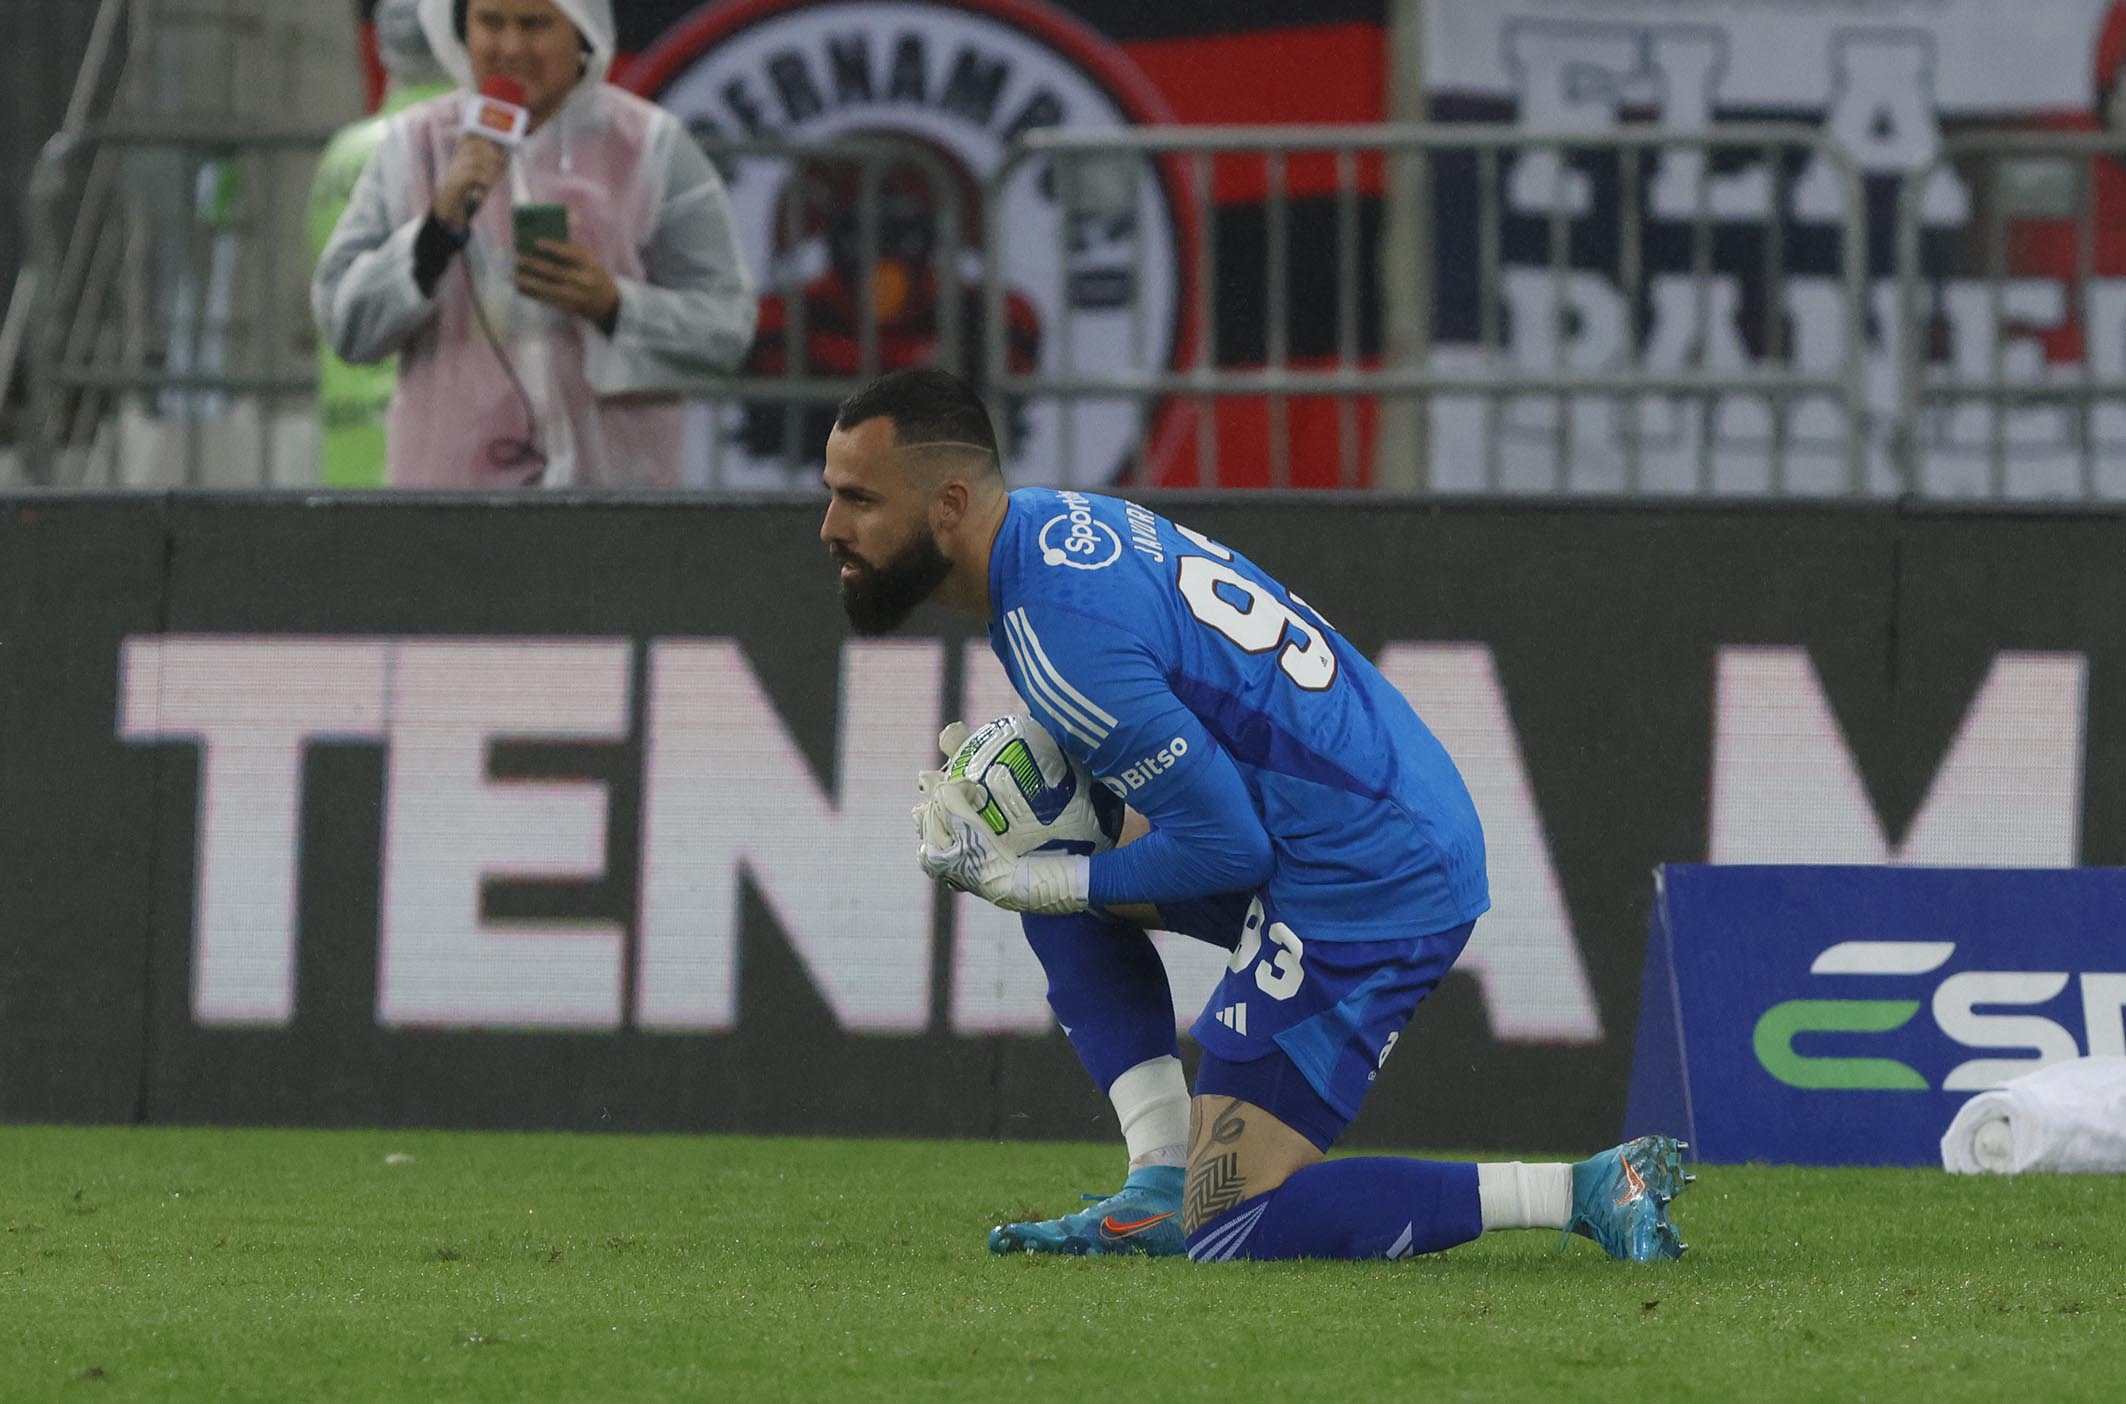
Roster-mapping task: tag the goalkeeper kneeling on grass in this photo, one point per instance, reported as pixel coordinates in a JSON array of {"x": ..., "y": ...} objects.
[{"x": 1300, "y": 816}]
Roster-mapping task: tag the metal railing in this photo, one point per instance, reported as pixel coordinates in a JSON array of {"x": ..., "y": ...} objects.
[
  {"x": 90, "y": 91},
  {"x": 173, "y": 315},
  {"x": 2012, "y": 324},
  {"x": 180, "y": 306},
  {"x": 841, "y": 213},
  {"x": 1606, "y": 404},
  {"x": 1240, "y": 306}
]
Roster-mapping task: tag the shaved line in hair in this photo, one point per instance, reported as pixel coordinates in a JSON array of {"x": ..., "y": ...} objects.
[
  {"x": 945, "y": 444},
  {"x": 935, "y": 462}
]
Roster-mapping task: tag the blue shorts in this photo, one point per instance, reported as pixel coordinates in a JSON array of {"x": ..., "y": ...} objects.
[{"x": 1301, "y": 1029}]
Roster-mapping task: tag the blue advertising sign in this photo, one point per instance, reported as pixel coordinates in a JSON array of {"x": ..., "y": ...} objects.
[{"x": 1840, "y": 1016}]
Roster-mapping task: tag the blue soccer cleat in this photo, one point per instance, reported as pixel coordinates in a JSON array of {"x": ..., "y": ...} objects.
[
  {"x": 1620, "y": 1199},
  {"x": 1144, "y": 1216}
]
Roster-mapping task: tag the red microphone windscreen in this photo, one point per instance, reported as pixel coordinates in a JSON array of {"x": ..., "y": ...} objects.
[{"x": 503, "y": 88}]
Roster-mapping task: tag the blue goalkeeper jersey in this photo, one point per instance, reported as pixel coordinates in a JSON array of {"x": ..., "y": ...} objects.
[{"x": 1227, "y": 711}]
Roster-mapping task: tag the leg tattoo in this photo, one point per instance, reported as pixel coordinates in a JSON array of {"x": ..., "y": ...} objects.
[{"x": 1215, "y": 1183}]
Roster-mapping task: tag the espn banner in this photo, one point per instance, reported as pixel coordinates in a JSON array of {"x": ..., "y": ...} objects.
[
  {"x": 1842, "y": 1016},
  {"x": 552, "y": 813}
]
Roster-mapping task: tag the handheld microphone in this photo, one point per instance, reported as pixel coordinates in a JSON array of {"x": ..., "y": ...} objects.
[{"x": 496, "y": 113}]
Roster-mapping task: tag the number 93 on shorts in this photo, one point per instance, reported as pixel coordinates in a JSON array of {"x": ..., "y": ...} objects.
[{"x": 1301, "y": 1027}]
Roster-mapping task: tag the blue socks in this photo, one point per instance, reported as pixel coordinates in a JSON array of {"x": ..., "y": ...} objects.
[
  {"x": 1380, "y": 1207},
  {"x": 1108, "y": 988}
]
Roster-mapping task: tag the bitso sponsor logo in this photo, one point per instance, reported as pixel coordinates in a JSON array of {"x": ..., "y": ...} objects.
[
  {"x": 1077, "y": 539},
  {"x": 1137, "y": 776},
  {"x": 1094, "y": 265}
]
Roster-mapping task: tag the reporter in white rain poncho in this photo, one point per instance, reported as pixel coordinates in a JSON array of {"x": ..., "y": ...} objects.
[
  {"x": 354, "y": 400},
  {"x": 575, "y": 377}
]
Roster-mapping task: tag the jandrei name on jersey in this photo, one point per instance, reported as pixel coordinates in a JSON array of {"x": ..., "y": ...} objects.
[{"x": 1145, "y": 648}]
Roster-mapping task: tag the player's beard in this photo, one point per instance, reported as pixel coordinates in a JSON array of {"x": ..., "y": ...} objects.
[{"x": 879, "y": 598}]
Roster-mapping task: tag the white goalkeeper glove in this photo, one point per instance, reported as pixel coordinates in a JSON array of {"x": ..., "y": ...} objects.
[{"x": 958, "y": 849}]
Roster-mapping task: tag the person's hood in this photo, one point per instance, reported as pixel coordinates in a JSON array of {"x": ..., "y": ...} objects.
[
  {"x": 593, "y": 20},
  {"x": 402, "y": 45}
]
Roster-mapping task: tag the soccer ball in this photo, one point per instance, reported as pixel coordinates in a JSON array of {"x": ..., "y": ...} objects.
[{"x": 1036, "y": 799}]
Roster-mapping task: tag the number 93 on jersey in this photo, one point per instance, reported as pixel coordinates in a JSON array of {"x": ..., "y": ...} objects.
[{"x": 1035, "y": 798}]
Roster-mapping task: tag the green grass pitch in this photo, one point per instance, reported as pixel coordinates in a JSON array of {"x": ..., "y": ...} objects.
[{"x": 176, "y": 1265}]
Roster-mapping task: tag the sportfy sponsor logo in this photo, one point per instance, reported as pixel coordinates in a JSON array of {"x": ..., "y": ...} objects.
[
  {"x": 2092, "y": 1001},
  {"x": 1096, "y": 259},
  {"x": 1078, "y": 539},
  {"x": 1137, "y": 776}
]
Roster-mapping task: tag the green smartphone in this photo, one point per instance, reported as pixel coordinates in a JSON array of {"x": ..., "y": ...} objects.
[{"x": 536, "y": 222}]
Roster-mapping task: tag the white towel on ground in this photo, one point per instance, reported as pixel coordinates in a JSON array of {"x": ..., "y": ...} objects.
[{"x": 2069, "y": 1117}]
